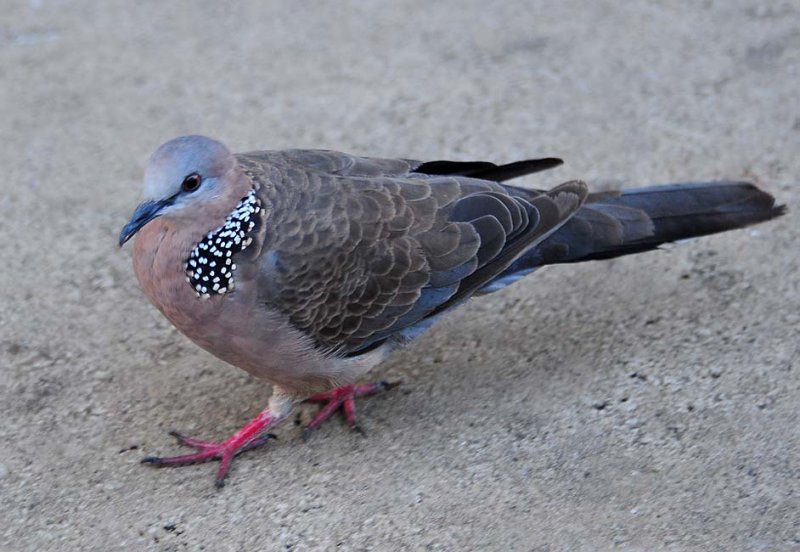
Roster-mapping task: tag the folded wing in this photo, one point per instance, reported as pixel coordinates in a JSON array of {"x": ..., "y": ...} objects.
[{"x": 356, "y": 250}]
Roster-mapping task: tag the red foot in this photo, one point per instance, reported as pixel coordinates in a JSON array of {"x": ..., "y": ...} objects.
[
  {"x": 249, "y": 437},
  {"x": 343, "y": 397}
]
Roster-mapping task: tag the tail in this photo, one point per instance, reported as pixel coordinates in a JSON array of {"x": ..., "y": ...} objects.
[{"x": 613, "y": 224}]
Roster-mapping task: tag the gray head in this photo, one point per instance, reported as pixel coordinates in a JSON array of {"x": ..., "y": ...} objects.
[{"x": 183, "y": 171}]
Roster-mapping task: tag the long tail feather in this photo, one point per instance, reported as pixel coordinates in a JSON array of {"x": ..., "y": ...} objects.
[{"x": 636, "y": 220}]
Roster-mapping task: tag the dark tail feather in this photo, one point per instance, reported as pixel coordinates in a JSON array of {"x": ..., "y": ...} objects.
[
  {"x": 489, "y": 171},
  {"x": 631, "y": 221}
]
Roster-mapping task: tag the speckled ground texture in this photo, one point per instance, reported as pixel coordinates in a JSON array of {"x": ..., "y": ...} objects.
[{"x": 645, "y": 403}]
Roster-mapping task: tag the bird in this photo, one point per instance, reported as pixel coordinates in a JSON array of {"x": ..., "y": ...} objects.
[{"x": 307, "y": 268}]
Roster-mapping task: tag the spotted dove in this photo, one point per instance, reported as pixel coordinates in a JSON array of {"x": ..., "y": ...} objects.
[{"x": 306, "y": 268}]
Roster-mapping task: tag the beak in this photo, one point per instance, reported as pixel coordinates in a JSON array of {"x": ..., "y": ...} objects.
[{"x": 143, "y": 214}]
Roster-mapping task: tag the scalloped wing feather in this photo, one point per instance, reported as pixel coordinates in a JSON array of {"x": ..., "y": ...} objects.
[{"x": 354, "y": 250}]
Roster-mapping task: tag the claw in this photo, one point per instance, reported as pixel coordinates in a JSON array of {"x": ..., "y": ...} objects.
[
  {"x": 344, "y": 398},
  {"x": 249, "y": 437},
  {"x": 390, "y": 384}
]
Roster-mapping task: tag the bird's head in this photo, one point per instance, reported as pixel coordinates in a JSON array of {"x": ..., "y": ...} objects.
[{"x": 182, "y": 175}]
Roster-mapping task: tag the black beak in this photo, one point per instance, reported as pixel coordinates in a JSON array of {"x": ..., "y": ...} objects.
[{"x": 143, "y": 214}]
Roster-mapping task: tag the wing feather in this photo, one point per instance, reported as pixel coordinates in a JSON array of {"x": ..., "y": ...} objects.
[{"x": 356, "y": 250}]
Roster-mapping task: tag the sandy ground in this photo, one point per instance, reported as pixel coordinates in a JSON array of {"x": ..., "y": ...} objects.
[{"x": 645, "y": 403}]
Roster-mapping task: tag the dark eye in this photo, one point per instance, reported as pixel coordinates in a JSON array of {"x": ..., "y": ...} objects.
[{"x": 191, "y": 183}]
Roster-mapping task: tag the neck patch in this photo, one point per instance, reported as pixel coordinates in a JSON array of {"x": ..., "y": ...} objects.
[{"x": 210, "y": 267}]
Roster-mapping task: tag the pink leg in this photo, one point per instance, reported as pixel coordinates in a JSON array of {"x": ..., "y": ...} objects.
[
  {"x": 344, "y": 398},
  {"x": 249, "y": 437}
]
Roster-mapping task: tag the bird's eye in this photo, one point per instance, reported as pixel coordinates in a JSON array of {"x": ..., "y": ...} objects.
[{"x": 191, "y": 183}]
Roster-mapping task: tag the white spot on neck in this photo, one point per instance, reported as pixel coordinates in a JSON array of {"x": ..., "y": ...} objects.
[{"x": 219, "y": 245}]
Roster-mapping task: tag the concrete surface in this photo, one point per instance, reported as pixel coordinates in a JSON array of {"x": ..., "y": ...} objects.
[{"x": 645, "y": 403}]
